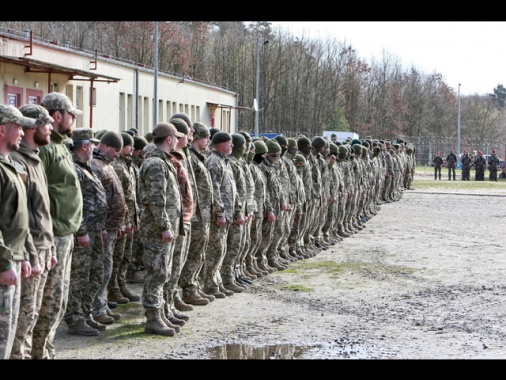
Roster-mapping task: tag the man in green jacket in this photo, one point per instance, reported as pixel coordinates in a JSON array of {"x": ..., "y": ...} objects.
[
  {"x": 66, "y": 211},
  {"x": 14, "y": 225}
]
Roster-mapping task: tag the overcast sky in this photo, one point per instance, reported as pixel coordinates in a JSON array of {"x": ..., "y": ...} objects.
[{"x": 471, "y": 53}]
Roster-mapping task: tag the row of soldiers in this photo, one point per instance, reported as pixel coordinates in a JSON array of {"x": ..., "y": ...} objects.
[{"x": 191, "y": 212}]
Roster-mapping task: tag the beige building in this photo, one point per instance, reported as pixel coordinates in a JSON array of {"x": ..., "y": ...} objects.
[{"x": 113, "y": 94}]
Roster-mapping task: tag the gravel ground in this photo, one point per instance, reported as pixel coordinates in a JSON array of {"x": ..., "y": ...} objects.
[{"x": 424, "y": 280}]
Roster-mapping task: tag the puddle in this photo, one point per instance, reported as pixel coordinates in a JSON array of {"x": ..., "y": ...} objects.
[{"x": 288, "y": 351}]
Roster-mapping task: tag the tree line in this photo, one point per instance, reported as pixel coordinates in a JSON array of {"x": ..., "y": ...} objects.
[{"x": 306, "y": 85}]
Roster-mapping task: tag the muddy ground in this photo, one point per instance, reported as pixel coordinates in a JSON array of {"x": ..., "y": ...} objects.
[{"x": 426, "y": 279}]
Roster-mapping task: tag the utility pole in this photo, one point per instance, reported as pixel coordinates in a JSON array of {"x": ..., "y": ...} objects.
[
  {"x": 256, "y": 103},
  {"x": 458, "y": 127},
  {"x": 155, "y": 77}
]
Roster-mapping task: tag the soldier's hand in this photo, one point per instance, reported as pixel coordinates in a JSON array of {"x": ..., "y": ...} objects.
[
  {"x": 167, "y": 236},
  {"x": 9, "y": 277},
  {"x": 221, "y": 221}
]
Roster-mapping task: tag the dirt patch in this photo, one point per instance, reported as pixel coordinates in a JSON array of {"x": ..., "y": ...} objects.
[{"x": 424, "y": 280}]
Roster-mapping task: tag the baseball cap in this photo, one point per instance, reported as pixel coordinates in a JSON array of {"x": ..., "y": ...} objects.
[
  {"x": 165, "y": 129},
  {"x": 59, "y": 101},
  {"x": 36, "y": 112},
  {"x": 10, "y": 114},
  {"x": 84, "y": 134}
]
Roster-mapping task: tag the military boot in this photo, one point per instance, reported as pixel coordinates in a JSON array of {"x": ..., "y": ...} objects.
[
  {"x": 179, "y": 315},
  {"x": 104, "y": 319},
  {"x": 168, "y": 322},
  {"x": 226, "y": 291},
  {"x": 210, "y": 297},
  {"x": 114, "y": 315},
  {"x": 117, "y": 297},
  {"x": 180, "y": 305},
  {"x": 155, "y": 324},
  {"x": 94, "y": 324},
  {"x": 81, "y": 328},
  {"x": 215, "y": 293},
  {"x": 128, "y": 294},
  {"x": 193, "y": 298},
  {"x": 231, "y": 286}
]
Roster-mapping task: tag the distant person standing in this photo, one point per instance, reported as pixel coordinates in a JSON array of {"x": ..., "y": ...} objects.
[
  {"x": 66, "y": 211},
  {"x": 466, "y": 165},
  {"x": 479, "y": 165},
  {"x": 14, "y": 225},
  {"x": 451, "y": 160},
  {"x": 493, "y": 165},
  {"x": 438, "y": 163}
]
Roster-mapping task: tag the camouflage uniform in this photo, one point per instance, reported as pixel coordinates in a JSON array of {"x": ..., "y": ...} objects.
[
  {"x": 14, "y": 232},
  {"x": 224, "y": 201},
  {"x": 66, "y": 197},
  {"x": 122, "y": 255},
  {"x": 466, "y": 166},
  {"x": 493, "y": 165},
  {"x": 182, "y": 239},
  {"x": 236, "y": 234},
  {"x": 41, "y": 251},
  {"x": 307, "y": 179},
  {"x": 200, "y": 223},
  {"x": 116, "y": 212},
  {"x": 480, "y": 164},
  {"x": 136, "y": 265},
  {"x": 161, "y": 211},
  {"x": 87, "y": 262}
]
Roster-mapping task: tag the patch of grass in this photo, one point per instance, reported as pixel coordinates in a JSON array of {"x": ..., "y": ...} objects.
[
  {"x": 335, "y": 268},
  {"x": 297, "y": 288},
  {"x": 459, "y": 185}
]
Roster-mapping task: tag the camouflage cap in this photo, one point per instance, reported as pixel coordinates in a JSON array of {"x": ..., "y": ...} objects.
[
  {"x": 10, "y": 114},
  {"x": 84, "y": 134},
  {"x": 59, "y": 101},
  {"x": 36, "y": 112}
]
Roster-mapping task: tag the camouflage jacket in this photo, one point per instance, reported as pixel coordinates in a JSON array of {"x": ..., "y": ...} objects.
[
  {"x": 493, "y": 162},
  {"x": 94, "y": 198},
  {"x": 224, "y": 190},
  {"x": 251, "y": 205},
  {"x": 260, "y": 189},
  {"x": 480, "y": 162},
  {"x": 203, "y": 184},
  {"x": 161, "y": 202},
  {"x": 240, "y": 185},
  {"x": 116, "y": 206},
  {"x": 466, "y": 161},
  {"x": 273, "y": 186},
  {"x": 126, "y": 173}
]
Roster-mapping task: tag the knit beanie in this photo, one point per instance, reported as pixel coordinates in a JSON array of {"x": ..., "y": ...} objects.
[
  {"x": 127, "y": 139},
  {"x": 260, "y": 147},
  {"x": 318, "y": 142},
  {"x": 212, "y": 132},
  {"x": 333, "y": 149},
  {"x": 140, "y": 142},
  {"x": 221, "y": 137},
  {"x": 113, "y": 139},
  {"x": 303, "y": 144},
  {"x": 238, "y": 140},
  {"x": 292, "y": 143},
  {"x": 180, "y": 125},
  {"x": 149, "y": 136},
  {"x": 300, "y": 159},
  {"x": 246, "y": 135},
  {"x": 273, "y": 146},
  {"x": 281, "y": 140},
  {"x": 181, "y": 115}
]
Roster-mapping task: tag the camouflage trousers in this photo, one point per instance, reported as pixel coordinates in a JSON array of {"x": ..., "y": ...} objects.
[
  {"x": 54, "y": 301},
  {"x": 87, "y": 275},
  {"x": 100, "y": 304},
  {"x": 235, "y": 245},
  {"x": 293, "y": 238},
  {"x": 32, "y": 290},
  {"x": 179, "y": 256},
  {"x": 240, "y": 265},
  {"x": 136, "y": 263},
  {"x": 265, "y": 241},
  {"x": 158, "y": 264},
  {"x": 287, "y": 229},
  {"x": 310, "y": 220},
  {"x": 329, "y": 221},
  {"x": 9, "y": 309},
  {"x": 121, "y": 259},
  {"x": 277, "y": 235},
  {"x": 199, "y": 241},
  {"x": 214, "y": 256},
  {"x": 255, "y": 240}
]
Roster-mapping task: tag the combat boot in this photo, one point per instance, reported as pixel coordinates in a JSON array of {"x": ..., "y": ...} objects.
[
  {"x": 168, "y": 322},
  {"x": 155, "y": 325},
  {"x": 94, "y": 324},
  {"x": 231, "y": 286},
  {"x": 193, "y": 298},
  {"x": 136, "y": 278},
  {"x": 81, "y": 328},
  {"x": 128, "y": 294},
  {"x": 117, "y": 297},
  {"x": 210, "y": 297},
  {"x": 179, "y": 315},
  {"x": 112, "y": 314},
  {"x": 226, "y": 291},
  {"x": 215, "y": 293},
  {"x": 104, "y": 319},
  {"x": 180, "y": 305}
]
